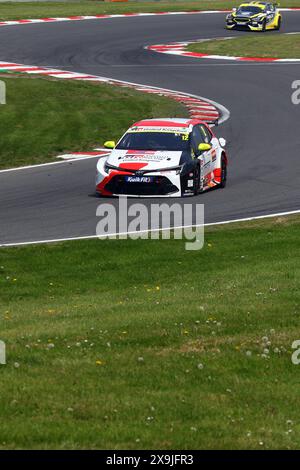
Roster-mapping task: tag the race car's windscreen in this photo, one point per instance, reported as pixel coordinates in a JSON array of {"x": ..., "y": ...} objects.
[
  {"x": 154, "y": 141},
  {"x": 249, "y": 9}
]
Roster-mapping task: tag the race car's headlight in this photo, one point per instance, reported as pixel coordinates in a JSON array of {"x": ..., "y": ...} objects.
[
  {"x": 108, "y": 167},
  {"x": 256, "y": 20},
  {"x": 229, "y": 18},
  {"x": 179, "y": 169}
]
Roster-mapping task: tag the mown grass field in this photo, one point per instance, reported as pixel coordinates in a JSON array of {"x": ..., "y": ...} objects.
[
  {"x": 44, "y": 118},
  {"x": 277, "y": 46},
  {"x": 141, "y": 344},
  {"x": 9, "y": 11}
]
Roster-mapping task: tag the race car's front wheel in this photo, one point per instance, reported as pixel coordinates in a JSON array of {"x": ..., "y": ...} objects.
[
  {"x": 278, "y": 24},
  {"x": 264, "y": 26},
  {"x": 223, "y": 173}
]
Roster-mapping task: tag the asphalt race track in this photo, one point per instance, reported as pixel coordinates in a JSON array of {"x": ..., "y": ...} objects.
[{"x": 58, "y": 201}]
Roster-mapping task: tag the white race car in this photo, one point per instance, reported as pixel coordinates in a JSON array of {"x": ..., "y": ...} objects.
[{"x": 163, "y": 157}]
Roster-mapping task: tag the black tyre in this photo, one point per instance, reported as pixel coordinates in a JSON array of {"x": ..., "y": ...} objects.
[
  {"x": 223, "y": 173},
  {"x": 197, "y": 180},
  {"x": 264, "y": 26},
  {"x": 278, "y": 24}
]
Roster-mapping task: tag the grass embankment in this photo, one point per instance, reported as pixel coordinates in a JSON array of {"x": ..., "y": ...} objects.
[
  {"x": 281, "y": 46},
  {"x": 9, "y": 11},
  {"x": 44, "y": 118},
  {"x": 141, "y": 344}
]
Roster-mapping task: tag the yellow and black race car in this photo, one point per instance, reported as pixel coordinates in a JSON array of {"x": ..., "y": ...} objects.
[{"x": 254, "y": 16}]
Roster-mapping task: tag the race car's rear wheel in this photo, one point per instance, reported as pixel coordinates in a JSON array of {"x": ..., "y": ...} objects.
[
  {"x": 223, "y": 173},
  {"x": 197, "y": 180},
  {"x": 278, "y": 24},
  {"x": 264, "y": 26}
]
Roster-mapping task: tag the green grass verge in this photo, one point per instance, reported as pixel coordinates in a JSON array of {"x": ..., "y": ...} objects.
[
  {"x": 43, "y": 118},
  {"x": 10, "y": 11},
  {"x": 281, "y": 46},
  {"x": 141, "y": 344}
]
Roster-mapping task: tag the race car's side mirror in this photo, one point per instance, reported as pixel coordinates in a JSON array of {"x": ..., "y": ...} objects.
[
  {"x": 204, "y": 147},
  {"x": 110, "y": 144},
  {"x": 222, "y": 141}
]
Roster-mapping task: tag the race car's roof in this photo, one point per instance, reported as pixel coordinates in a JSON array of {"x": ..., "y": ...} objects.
[
  {"x": 166, "y": 122},
  {"x": 256, "y": 4}
]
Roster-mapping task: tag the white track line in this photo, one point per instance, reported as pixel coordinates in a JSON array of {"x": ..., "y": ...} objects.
[
  {"x": 30, "y": 167},
  {"x": 116, "y": 235}
]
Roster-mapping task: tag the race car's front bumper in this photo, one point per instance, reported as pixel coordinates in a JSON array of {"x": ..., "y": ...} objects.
[
  {"x": 157, "y": 186},
  {"x": 165, "y": 183},
  {"x": 248, "y": 26}
]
